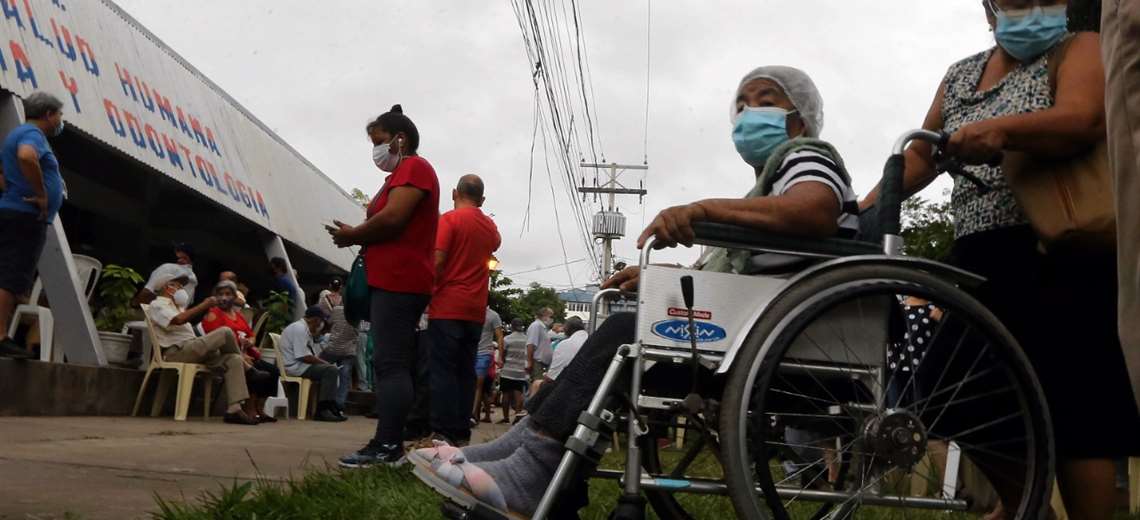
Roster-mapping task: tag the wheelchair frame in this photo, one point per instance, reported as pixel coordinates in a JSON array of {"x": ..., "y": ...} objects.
[{"x": 596, "y": 424}]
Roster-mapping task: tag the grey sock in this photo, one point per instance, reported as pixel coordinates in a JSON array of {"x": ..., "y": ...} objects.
[
  {"x": 524, "y": 476},
  {"x": 499, "y": 448}
]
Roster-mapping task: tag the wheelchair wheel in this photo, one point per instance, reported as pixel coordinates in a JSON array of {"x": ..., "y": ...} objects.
[{"x": 878, "y": 371}]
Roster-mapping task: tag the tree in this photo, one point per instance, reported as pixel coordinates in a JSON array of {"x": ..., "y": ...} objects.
[
  {"x": 537, "y": 297},
  {"x": 360, "y": 197},
  {"x": 928, "y": 228},
  {"x": 502, "y": 296}
]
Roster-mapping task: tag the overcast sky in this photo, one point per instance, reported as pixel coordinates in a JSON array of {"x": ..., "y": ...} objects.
[{"x": 317, "y": 72}]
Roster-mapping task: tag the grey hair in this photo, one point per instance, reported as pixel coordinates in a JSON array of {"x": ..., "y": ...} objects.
[
  {"x": 543, "y": 311},
  {"x": 40, "y": 104},
  {"x": 226, "y": 284}
]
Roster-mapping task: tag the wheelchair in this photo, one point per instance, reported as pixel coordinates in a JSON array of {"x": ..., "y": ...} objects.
[{"x": 853, "y": 388}]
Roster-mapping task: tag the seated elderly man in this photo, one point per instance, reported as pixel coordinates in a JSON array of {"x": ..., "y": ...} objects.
[
  {"x": 179, "y": 344},
  {"x": 299, "y": 352},
  {"x": 801, "y": 188}
]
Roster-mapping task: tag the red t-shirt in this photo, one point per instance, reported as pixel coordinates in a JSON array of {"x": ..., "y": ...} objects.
[
  {"x": 405, "y": 264},
  {"x": 216, "y": 319},
  {"x": 468, "y": 237}
]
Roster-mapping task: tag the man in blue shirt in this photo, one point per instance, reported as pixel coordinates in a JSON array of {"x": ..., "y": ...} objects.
[{"x": 32, "y": 194}]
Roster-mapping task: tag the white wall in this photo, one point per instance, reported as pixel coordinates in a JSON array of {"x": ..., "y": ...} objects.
[{"x": 116, "y": 79}]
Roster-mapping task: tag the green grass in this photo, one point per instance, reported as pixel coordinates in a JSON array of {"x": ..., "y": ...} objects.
[{"x": 384, "y": 493}]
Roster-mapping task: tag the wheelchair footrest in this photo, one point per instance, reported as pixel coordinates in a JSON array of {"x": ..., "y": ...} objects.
[
  {"x": 458, "y": 512},
  {"x": 592, "y": 437}
]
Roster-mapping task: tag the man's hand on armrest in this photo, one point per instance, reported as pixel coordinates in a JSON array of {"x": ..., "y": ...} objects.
[
  {"x": 673, "y": 226},
  {"x": 626, "y": 279}
]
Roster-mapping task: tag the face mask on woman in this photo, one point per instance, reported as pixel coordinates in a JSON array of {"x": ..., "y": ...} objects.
[
  {"x": 1027, "y": 33},
  {"x": 384, "y": 158},
  {"x": 758, "y": 131}
]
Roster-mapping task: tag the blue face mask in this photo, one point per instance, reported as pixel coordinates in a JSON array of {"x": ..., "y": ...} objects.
[
  {"x": 1026, "y": 34},
  {"x": 758, "y": 131}
]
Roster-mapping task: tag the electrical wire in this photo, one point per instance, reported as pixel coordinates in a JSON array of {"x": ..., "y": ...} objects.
[
  {"x": 648, "y": 47},
  {"x": 543, "y": 268}
]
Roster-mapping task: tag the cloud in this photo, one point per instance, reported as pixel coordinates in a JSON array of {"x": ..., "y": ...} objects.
[{"x": 316, "y": 73}]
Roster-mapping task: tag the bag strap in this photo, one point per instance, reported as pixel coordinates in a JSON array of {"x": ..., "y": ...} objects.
[{"x": 1056, "y": 57}]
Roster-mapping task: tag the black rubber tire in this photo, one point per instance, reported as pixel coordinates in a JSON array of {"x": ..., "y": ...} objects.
[{"x": 781, "y": 318}]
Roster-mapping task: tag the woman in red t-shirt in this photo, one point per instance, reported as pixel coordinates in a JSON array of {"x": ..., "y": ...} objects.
[
  {"x": 398, "y": 238},
  {"x": 260, "y": 375}
]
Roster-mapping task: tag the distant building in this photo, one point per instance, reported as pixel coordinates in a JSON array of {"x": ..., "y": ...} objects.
[{"x": 578, "y": 301}]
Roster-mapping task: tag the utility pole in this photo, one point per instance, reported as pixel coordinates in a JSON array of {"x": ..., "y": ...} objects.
[{"x": 609, "y": 224}]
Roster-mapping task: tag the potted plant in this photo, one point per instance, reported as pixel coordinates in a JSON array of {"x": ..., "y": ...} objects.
[
  {"x": 279, "y": 307},
  {"x": 117, "y": 286}
]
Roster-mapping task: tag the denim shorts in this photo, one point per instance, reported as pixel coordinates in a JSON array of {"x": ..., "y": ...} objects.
[{"x": 483, "y": 364}]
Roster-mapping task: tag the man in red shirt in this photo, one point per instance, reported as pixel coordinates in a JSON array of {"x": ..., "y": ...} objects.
[{"x": 464, "y": 242}]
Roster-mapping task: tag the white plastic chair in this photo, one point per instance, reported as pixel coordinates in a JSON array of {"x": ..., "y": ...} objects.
[
  {"x": 87, "y": 270},
  {"x": 186, "y": 374},
  {"x": 304, "y": 386}
]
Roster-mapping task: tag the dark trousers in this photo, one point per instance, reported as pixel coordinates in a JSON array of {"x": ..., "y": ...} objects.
[
  {"x": 394, "y": 319},
  {"x": 261, "y": 379},
  {"x": 571, "y": 393},
  {"x": 419, "y": 419},
  {"x": 452, "y": 372},
  {"x": 327, "y": 377}
]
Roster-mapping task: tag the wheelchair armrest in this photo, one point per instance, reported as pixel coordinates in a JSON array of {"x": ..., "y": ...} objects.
[{"x": 738, "y": 237}]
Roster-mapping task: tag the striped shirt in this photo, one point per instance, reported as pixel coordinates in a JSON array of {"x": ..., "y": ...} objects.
[{"x": 809, "y": 166}]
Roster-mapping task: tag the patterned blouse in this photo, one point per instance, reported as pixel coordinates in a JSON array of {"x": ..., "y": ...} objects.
[{"x": 1025, "y": 89}]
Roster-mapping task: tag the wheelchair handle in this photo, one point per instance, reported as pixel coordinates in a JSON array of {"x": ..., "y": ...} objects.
[
  {"x": 891, "y": 186},
  {"x": 598, "y": 297}
]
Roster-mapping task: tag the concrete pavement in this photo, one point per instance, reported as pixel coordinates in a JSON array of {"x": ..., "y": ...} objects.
[{"x": 110, "y": 467}]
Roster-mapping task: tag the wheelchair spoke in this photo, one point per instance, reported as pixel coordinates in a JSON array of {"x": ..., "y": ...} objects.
[
  {"x": 815, "y": 415},
  {"x": 958, "y": 387},
  {"x": 805, "y": 396},
  {"x": 982, "y": 395},
  {"x": 981, "y": 427},
  {"x": 836, "y": 402}
]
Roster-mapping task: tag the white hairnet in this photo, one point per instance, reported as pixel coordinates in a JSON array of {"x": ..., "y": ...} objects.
[{"x": 799, "y": 88}]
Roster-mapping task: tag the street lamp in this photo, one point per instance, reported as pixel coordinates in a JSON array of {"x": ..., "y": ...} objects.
[{"x": 493, "y": 263}]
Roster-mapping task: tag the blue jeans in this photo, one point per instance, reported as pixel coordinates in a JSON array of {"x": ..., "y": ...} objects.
[
  {"x": 344, "y": 365},
  {"x": 452, "y": 373}
]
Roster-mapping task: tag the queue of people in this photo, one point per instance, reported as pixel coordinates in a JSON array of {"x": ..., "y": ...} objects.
[{"x": 1040, "y": 90}]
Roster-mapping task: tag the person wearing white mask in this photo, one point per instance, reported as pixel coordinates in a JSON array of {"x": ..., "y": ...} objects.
[
  {"x": 183, "y": 265},
  {"x": 219, "y": 349},
  {"x": 801, "y": 188},
  {"x": 398, "y": 238}
]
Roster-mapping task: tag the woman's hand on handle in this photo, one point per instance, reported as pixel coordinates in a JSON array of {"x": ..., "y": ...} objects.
[{"x": 978, "y": 143}]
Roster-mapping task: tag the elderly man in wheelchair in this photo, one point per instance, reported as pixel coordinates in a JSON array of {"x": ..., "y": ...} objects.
[{"x": 824, "y": 373}]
